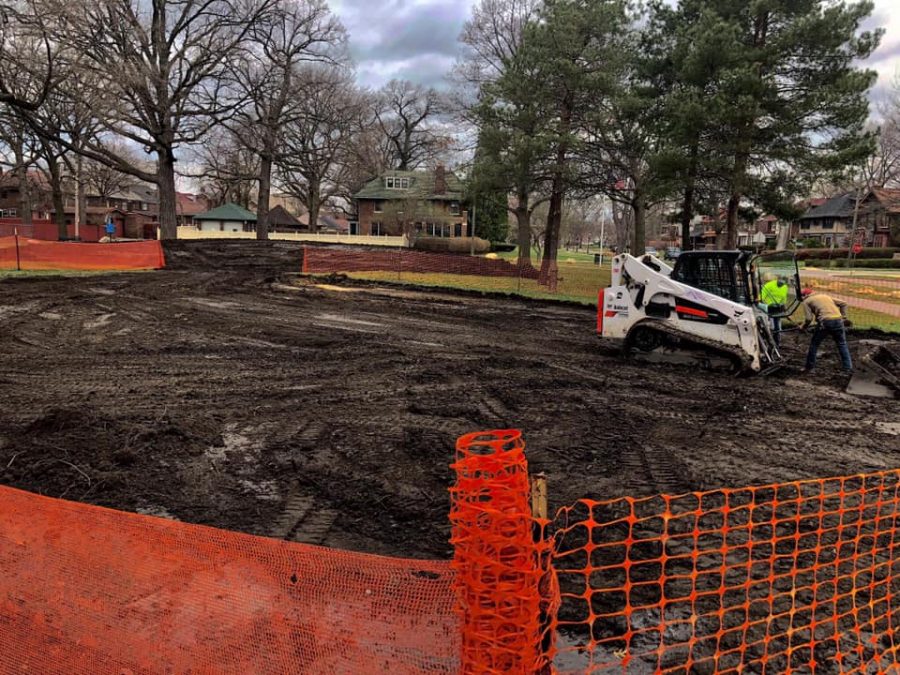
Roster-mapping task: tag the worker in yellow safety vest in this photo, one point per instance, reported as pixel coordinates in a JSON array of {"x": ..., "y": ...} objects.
[{"x": 774, "y": 295}]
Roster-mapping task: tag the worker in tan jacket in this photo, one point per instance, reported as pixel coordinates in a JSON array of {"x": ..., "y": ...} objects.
[{"x": 829, "y": 316}]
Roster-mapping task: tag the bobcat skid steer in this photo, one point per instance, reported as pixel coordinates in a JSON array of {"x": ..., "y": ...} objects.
[{"x": 708, "y": 310}]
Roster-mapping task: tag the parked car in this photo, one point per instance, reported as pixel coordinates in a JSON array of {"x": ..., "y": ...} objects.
[
  {"x": 672, "y": 253},
  {"x": 651, "y": 250}
]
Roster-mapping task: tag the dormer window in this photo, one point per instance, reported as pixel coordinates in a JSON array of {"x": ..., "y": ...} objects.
[{"x": 396, "y": 183}]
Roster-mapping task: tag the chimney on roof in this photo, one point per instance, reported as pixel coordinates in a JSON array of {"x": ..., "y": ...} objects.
[{"x": 440, "y": 179}]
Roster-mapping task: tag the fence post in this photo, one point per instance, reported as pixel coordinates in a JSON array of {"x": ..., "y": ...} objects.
[
  {"x": 18, "y": 262},
  {"x": 503, "y": 583},
  {"x": 305, "y": 265}
]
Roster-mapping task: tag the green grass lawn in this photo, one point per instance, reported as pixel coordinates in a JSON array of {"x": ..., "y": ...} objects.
[
  {"x": 866, "y": 318},
  {"x": 578, "y": 282},
  {"x": 562, "y": 255}
]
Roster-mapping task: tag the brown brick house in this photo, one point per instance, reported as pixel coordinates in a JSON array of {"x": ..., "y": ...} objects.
[
  {"x": 879, "y": 214},
  {"x": 428, "y": 203}
]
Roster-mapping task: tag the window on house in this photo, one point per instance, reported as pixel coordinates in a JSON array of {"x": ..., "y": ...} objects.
[
  {"x": 376, "y": 229},
  {"x": 378, "y": 207},
  {"x": 454, "y": 208},
  {"x": 396, "y": 183},
  {"x": 828, "y": 225}
]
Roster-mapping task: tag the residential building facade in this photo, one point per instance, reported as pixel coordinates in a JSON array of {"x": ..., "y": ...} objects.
[
  {"x": 428, "y": 203},
  {"x": 879, "y": 215},
  {"x": 829, "y": 222},
  {"x": 226, "y": 218}
]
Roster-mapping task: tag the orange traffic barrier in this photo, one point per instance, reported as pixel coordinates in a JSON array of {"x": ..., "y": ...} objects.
[
  {"x": 35, "y": 254},
  {"x": 87, "y": 590},
  {"x": 497, "y": 561},
  {"x": 800, "y": 577}
]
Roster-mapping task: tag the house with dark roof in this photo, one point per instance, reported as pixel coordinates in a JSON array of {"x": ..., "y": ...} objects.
[
  {"x": 408, "y": 202},
  {"x": 879, "y": 214},
  {"x": 226, "y": 218},
  {"x": 279, "y": 220},
  {"x": 829, "y": 222}
]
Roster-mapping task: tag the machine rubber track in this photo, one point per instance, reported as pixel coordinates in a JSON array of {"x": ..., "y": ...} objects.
[{"x": 736, "y": 355}]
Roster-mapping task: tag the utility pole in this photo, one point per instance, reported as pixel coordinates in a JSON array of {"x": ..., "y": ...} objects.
[{"x": 602, "y": 229}]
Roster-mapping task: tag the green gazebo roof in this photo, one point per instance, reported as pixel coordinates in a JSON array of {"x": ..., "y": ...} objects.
[{"x": 227, "y": 211}]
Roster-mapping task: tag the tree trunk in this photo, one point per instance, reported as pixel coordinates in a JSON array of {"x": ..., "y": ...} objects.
[
  {"x": 731, "y": 220},
  {"x": 738, "y": 180},
  {"x": 314, "y": 206},
  {"x": 25, "y": 203},
  {"x": 265, "y": 190},
  {"x": 687, "y": 207},
  {"x": 168, "y": 222},
  {"x": 551, "y": 234},
  {"x": 80, "y": 197},
  {"x": 548, "y": 273},
  {"x": 59, "y": 203},
  {"x": 523, "y": 224},
  {"x": 639, "y": 243}
]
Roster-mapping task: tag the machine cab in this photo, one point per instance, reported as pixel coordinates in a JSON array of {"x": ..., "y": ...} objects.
[{"x": 768, "y": 281}]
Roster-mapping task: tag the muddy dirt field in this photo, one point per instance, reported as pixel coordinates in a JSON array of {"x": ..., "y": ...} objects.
[{"x": 226, "y": 390}]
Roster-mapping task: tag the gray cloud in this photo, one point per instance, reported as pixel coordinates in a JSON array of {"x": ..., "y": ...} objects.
[
  {"x": 417, "y": 39},
  {"x": 410, "y": 39}
]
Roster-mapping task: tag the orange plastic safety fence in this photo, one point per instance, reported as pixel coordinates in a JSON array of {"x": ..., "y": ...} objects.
[
  {"x": 34, "y": 254},
  {"x": 499, "y": 565},
  {"x": 319, "y": 260},
  {"x": 87, "y": 590},
  {"x": 798, "y": 577}
]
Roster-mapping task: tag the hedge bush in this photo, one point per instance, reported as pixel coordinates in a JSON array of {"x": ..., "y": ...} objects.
[
  {"x": 451, "y": 244},
  {"x": 826, "y": 253},
  {"x": 502, "y": 247},
  {"x": 869, "y": 263}
]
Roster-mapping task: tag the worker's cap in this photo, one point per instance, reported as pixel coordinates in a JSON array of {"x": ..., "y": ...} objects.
[{"x": 806, "y": 292}]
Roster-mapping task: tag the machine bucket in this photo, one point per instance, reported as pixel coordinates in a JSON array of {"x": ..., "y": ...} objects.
[{"x": 876, "y": 372}]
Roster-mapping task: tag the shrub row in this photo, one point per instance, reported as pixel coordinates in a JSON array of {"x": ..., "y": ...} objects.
[
  {"x": 826, "y": 254},
  {"x": 868, "y": 263}
]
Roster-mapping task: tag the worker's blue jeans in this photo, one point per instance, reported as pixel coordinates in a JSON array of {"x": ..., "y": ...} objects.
[
  {"x": 834, "y": 328},
  {"x": 776, "y": 330}
]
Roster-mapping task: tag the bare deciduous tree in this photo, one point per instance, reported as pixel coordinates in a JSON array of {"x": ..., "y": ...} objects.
[
  {"x": 163, "y": 64},
  {"x": 28, "y": 54},
  {"x": 315, "y": 165},
  {"x": 103, "y": 180},
  {"x": 296, "y": 32},
  {"x": 406, "y": 114},
  {"x": 229, "y": 170}
]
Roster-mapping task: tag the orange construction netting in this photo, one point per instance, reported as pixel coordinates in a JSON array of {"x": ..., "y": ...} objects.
[
  {"x": 503, "y": 589},
  {"x": 34, "y": 254},
  {"x": 323, "y": 260},
  {"x": 88, "y": 590},
  {"x": 798, "y": 577}
]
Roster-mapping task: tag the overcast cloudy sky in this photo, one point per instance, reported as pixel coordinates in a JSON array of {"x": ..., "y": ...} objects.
[{"x": 417, "y": 39}]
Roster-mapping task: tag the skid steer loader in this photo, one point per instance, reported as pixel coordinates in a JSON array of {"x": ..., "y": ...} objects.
[{"x": 706, "y": 310}]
